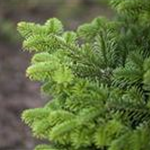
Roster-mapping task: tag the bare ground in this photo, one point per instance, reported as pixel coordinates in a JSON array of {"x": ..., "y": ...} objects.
[{"x": 16, "y": 94}]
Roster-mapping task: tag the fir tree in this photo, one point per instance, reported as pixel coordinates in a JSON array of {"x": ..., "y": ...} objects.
[{"x": 99, "y": 77}]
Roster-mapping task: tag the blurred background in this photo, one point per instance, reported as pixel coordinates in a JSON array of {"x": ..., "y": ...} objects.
[{"x": 16, "y": 91}]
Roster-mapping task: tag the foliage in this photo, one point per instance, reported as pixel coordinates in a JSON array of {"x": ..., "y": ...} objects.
[
  {"x": 7, "y": 31},
  {"x": 99, "y": 77}
]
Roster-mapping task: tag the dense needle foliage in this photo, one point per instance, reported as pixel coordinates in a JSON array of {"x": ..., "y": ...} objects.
[{"x": 99, "y": 78}]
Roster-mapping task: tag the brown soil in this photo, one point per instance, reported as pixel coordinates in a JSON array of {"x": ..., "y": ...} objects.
[{"x": 16, "y": 94}]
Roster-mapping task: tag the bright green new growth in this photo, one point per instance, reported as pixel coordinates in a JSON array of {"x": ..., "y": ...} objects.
[{"x": 99, "y": 78}]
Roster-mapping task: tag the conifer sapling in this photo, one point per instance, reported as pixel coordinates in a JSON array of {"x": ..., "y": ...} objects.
[{"x": 99, "y": 78}]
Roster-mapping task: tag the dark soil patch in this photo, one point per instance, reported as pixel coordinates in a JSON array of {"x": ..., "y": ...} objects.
[{"x": 16, "y": 94}]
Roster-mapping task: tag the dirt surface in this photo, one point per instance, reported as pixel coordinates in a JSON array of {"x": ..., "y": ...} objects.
[{"x": 16, "y": 94}]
